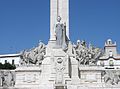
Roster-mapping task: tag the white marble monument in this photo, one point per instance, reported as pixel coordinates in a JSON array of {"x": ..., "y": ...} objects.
[
  {"x": 58, "y": 8},
  {"x": 63, "y": 65}
]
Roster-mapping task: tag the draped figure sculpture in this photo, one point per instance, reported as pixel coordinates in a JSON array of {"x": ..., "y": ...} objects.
[{"x": 60, "y": 33}]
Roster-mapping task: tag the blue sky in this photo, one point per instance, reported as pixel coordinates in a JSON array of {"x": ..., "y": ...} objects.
[{"x": 24, "y": 22}]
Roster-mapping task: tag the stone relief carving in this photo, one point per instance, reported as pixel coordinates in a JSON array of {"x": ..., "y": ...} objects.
[
  {"x": 29, "y": 78},
  {"x": 111, "y": 77},
  {"x": 86, "y": 55},
  {"x": 34, "y": 55},
  {"x": 60, "y": 33},
  {"x": 7, "y": 78},
  {"x": 59, "y": 71}
]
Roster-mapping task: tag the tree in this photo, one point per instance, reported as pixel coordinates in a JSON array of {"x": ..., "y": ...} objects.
[{"x": 7, "y": 66}]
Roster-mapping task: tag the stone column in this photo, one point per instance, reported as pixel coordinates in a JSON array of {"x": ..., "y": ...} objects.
[
  {"x": 75, "y": 78},
  {"x": 65, "y": 15},
  {"x": 58, "y": 7}
]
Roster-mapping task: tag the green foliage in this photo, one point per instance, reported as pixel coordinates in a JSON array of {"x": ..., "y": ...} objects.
[
  {"x": 7, "y": 66},
  {"x": 1, "y": 66}
]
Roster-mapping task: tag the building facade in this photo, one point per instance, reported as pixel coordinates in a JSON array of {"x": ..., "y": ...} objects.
[{"x": 110, "y": 57}]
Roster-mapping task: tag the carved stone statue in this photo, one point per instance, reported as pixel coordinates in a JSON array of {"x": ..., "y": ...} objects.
[
  {"x": 111, "y": 77},
  {"x": 86, "y": 55},
  {"x": 33, "y": 56},
  {"x": 7, "y": 78},
  {"x": 60, "y": 30}
]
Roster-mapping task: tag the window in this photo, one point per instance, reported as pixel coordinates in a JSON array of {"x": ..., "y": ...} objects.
[
  {"x": 111, "y": 63},
  {"x": 5, "y": 61},
  {"x": 110, "y": 54},
  {"x": 13, "y": 62},
  {"x": 102, "y": 63}
]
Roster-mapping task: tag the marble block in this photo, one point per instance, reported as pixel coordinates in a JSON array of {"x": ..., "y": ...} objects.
[
  {"x": 90, "y": 74},
  {"x": 28, "y": 76}
]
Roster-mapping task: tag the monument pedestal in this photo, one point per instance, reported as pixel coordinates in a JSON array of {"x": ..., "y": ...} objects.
[
  {"x": 74, "y": 72},
  {"x": 28, "y": 77},
  {"x": 59, "y": 66},
  {"x": 91, "y": 76}
]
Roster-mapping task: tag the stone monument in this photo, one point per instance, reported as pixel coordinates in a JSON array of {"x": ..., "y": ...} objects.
[
  {"x": 29, "y": 72},
  {"x": 58, "y": 8},
  {"x": 61, "y": 64}
]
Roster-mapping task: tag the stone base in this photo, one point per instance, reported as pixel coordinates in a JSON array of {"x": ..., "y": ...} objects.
[
  {"x": 82, "y": 86},
  {"x": 27, "y": 77},
  {"x": 62, "y": 87},
  {"x": 90, "y": 74}
]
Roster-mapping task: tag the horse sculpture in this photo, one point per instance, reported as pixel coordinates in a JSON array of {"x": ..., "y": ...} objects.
[{"x": 33, "y": 56}]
